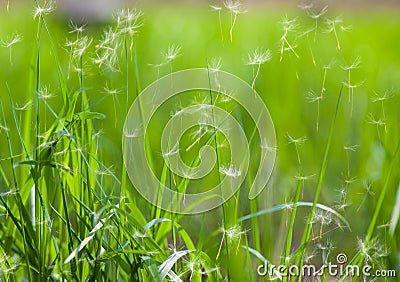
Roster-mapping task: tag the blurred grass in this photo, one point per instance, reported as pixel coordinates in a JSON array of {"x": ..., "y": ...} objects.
[{"x": 375, "y": 37}]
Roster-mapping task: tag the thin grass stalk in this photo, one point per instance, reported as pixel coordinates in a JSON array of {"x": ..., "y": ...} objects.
[
  {"x": 18, "y": 196},
  {"x": 307, "y": 230}
]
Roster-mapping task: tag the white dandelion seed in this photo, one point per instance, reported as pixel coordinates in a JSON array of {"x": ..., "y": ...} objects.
[
  {"x": 47, "y": 8},
  {"x": 10, "y": 41},
  {"x": 231, "y": 171}
]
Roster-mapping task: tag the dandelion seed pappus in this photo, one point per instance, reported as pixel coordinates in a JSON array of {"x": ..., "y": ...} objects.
[{"x": 209, "y": 119}]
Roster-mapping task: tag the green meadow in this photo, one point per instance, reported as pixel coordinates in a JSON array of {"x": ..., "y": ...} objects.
[{"x": 330, "y": 78}]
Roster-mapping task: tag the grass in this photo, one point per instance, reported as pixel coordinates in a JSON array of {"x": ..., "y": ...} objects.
[{"x": 68, "y": 210}]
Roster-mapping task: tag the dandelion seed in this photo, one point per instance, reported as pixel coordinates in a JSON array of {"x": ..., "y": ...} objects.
[
  {"x": 346, "y": 28},
  {"x": 75, "y": 28},
  {"x": 41, "y": 11},
  {"x": 9, "y": 42},
  {"x": 297, "y": 142},
  {"x": 265, "y": 146},
  {"x": 312, "y": 98},
  {"x": 332, "y": 26},
  {"x": 354, "y": 65},
  {"x": 197, "y": 135},
  {"x": 381, "y": 98},
  {"x": 306, "y": 6},
  {"x": 351, "y": 148},
  {"x": 215, "y": 64},
  {"x": 233, "y": 7},
  {"x": 326, "y": 250},
  {"x": 135, "y": 132},
  {"x": 172, "y": 151},
  {"x": 44, "y": 93},
  {"x": 173, "y": 52},
  {"x": 232, "y": 235},
  {"x": 112, "y": 93},
  {"x": 364, "y": 249},
  {"x": 107, "y": 56},
  {"x": 257, "y": 58},
  {"x": 128, "y": 22},
  {"x": 316, "y": 16},
  {"x": 287, "y": 26},
  {"x": 348, "y": 180},
  {"x": 187, "y": 173},
  {"x": 79, "y": 46},
  {"x": 218, "y": 9},
  {"x": 24, "y": 106},
  {"x": 378, "y": 122},
  {"x": 231, "y": 171},
  {"x": 304, "y": 177}
]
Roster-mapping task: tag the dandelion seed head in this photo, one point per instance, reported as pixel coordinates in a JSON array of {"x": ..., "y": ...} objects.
[
  {"x": 298, "y": 141},
  {"x": 215, "y": 64},
  {"x": 322, "y": 217},
  {"x": 233, "y": 233},
  {"x": 378, "y": 122},
  {"x": 354, "y": 65},
  {"x": 289, "y": 25},
  {"x": 351, "y": 148},
  {"x": 75, "y": 28},
  {"x": 11, "y": 40},
  {"x": 173, "y": 52},
  {"x": 304, "y": 177},
  {"x": 47, "y": 8},
  {"x": 135, "y": 132},
  {"x": 259, "y": 57},
  {"x": 233, "y": 6},
  {"x": 110, "y": 91},
  {"x": 231, "y": 171},
  {"x": 24, "y": 106},
  {"x": 44, "y": 93},
  {"x": 215, "y": 8},
  {"x": 311, "y": 97},
  {"x": 172, "y": 151},
  {"x": 79, "y": 46},
  {"x": 354, "y": 85},
  {"x": 317, "y": 15},
  {"x": 128, "y": 21},
  {"x": 266, "y": 146},
  {"x": 379, "y": 98},
  {"x": 332, "y": 23}
]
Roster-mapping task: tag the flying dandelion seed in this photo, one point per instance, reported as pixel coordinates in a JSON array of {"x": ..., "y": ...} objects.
[
  {"x": 351, "y": 86},
  {"x": 382, "y": 98},
  {"x": 218, "y": 9},
  {"x": 234, "y": 7},
  {"x": 9, "y": 42},
  {"x": 47, "y": 8},
  {"x": 296, "y": 142},
  {"x": 287, "y": 26},
  {"x": 257, "y": 58}
]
